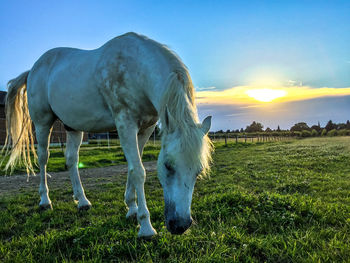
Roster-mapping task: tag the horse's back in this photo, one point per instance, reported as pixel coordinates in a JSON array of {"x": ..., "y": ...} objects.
[
  {"x": 62, "y": 82},
  {"x": 37, "y": 84},
  {"x": 86, "y": 89}
]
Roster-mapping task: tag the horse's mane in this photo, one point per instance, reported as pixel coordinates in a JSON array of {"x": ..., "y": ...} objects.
[
  {"x": 178, "y": 100},
  {"x": 177, "y": 104}
]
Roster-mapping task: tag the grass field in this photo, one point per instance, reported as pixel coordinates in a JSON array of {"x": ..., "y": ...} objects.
[
  {"x": 264, "y": 202},
  {"x": 90, "y": 156}
]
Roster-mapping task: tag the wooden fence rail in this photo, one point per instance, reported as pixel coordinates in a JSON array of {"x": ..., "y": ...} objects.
[{"x": 248, "y": 138}]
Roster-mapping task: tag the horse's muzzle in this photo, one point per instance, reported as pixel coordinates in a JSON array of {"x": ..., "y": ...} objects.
[{"x": 179, "y": 225}]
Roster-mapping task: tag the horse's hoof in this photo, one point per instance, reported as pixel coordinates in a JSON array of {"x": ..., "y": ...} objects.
[
  {"x": 45, "y": 207},
  {"x": 148, "y": 234},
  {"x": 132, "y": 214}
]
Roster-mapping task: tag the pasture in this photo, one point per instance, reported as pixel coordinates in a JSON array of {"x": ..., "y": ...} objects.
[{"x": 285, "y": 201}]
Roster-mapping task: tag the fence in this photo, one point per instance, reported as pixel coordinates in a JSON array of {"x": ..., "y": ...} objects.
[
  {"x": 111, "y": 139},
  {"x": 108, "y": 139},
  {"x": 58, "y": 136},
  {"x": 103, "y": 140},
  {"x": 244, "y": 138}
]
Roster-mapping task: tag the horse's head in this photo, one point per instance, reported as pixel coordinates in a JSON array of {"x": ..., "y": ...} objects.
[{"x": 182, "y": 159}]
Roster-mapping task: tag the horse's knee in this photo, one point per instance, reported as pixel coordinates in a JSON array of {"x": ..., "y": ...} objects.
[
  {"x": 71, "y": 160},
  {"x": 137, "y": 175}
]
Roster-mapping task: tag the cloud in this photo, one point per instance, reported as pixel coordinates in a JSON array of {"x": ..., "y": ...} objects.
[
  {"x": 293, "y": 83},
  {"x": 235, "y": 114},
  {"x": 285, "y": 114},
  {"x": 206, "y": 88},
  {"x": 251, "y": 106},
  {"x": 238, "y": 95}
]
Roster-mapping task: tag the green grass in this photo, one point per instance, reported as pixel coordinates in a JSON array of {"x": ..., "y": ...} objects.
[
  {"x": 264, "y": 202},
  {"x": 90, "y": 156}
]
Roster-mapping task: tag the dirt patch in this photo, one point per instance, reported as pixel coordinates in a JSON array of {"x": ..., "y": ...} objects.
[{"x": 90, "y": 177}]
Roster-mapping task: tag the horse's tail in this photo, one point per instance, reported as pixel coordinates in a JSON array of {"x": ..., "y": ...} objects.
[{"x": 19, "y": 141}]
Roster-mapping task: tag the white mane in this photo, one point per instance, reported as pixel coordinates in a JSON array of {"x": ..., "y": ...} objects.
[{"x": 178, "y": 101}]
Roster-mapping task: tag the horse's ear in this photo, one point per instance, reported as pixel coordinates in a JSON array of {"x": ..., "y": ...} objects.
[
  {"x": 169, "y": 122},
  {"x": 206, "y": 125}
]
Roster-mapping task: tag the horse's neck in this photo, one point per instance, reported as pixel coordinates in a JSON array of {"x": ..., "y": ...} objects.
[
  {"x": 156, "y": 99},
  {"x": 155, "y": 95},
  {"x": 169, "y": 93}
]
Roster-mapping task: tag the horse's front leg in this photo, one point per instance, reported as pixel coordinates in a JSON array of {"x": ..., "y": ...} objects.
[
  {"x": 127, "y": 130},
  {"x": 130, "y": 193},
  {"x": 130, "y": 199}
]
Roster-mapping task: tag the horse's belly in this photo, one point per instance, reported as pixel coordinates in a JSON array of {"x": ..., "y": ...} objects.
[
  {"x": 81, "y": 110},
  {"x": 86, "y": 120}
]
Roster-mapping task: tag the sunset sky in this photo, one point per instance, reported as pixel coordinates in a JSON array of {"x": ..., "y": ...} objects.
[{"x": 276, "y": 62}]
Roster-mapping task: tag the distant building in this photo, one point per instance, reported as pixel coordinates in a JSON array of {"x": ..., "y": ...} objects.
[{"x": 58, "y": 134}]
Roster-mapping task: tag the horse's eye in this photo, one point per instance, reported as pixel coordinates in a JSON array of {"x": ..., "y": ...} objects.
[{"x": 169, "y": 168}]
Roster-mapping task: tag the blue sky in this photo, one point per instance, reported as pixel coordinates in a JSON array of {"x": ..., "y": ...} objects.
[{"x": 225, "y": 44}]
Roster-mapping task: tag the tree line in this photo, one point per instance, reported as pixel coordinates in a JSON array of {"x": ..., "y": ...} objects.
[{"x": 300, "y": 129}]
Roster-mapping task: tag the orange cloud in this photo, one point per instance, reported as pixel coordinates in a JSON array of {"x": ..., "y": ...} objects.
[{"x": 239, "y": 94}]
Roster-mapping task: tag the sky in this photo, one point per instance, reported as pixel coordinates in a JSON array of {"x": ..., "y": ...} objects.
[{"x": 237, "y": 52}]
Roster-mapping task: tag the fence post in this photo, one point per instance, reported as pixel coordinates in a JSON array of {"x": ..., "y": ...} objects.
[
  {"x": 245, "y": 138},
  {"x": 236, "y": 138},
  {"x": 108, "y": 140}
]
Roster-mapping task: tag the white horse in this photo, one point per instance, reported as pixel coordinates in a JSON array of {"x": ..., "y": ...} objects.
[{"x": 128, "y": 83}]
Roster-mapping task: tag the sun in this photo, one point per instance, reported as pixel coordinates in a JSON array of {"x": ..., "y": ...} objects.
[{"x": 266, "y": 95}]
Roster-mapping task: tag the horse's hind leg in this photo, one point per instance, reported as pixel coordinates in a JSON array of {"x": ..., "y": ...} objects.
[
  {"x": 43, "y": 136},
  {"x": 74, "y": 139},
  {"x": 130, "y": 193}
]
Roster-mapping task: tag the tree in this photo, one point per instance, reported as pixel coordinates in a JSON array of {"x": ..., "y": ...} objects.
[
  {"x": 278, "y": 128},
  {"x": 314, "y": 133},
  {"x": 348, "y": 125},
  {"x": 300, "y": 126},
  {"x": 341, "y": 126},
  {"x": 305, "y": 133},
  {"x": 330, "y": 126},
  {"x": 268, "y": 129},
  {"x": 332, "y": 133},
  {"x": 254, "y": 127},
  {"x": 316, "y": 128}
]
